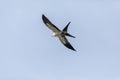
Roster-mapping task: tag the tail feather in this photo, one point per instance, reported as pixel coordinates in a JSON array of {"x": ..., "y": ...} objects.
[
  {"x": 65, "y": 30},
  {"x": 66, "y": 27},
  {"x": 67, "y": 34}
]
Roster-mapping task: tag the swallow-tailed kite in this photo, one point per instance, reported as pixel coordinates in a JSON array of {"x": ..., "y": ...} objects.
[{"x": 58, "y": 33}]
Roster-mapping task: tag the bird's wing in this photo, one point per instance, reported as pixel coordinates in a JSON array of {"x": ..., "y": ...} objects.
[
  {"x": 49, "y": 24},
  {"x": 65, "y": 42}
]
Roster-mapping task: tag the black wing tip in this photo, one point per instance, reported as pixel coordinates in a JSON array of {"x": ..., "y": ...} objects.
[
  {"x": 74, "y": 49},
  {"x": 43, "y": 16},
  {"x": 70, "y": 47},
  {"x": 45, "y": 19}
]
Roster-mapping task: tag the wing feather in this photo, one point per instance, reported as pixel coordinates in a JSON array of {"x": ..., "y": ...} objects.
[
  {"x": 49, "y": 24},
  {"x": 65, "y": 42}
]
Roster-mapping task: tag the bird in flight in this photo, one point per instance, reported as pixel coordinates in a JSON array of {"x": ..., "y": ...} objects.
[{"x": 59, "y": 33}]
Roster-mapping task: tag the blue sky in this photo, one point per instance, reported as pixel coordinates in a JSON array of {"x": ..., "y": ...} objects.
[{"x": 28, "y": 52}]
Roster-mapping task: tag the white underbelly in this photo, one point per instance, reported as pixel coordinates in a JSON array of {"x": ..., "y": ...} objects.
[{"x": 57, "y": 34}]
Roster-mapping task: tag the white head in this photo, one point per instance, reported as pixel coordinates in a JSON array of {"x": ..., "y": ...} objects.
[
  {"x": 53, "y": 35},
  {"x": 56, "y": 34}
]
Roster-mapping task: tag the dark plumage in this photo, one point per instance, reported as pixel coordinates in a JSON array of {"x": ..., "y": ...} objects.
[{"x": 60, "y": 34}]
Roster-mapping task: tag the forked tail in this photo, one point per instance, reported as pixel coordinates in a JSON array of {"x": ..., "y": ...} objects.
[{"x": 65, "y": 31}]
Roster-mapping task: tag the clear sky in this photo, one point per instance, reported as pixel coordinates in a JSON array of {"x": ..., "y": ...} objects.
[{"x": 29, "y": 52}]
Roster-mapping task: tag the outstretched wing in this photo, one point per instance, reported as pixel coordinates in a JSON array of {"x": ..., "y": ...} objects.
[
  {"x": 65, "y": 42},
  {"x": 49, "y": 24}
]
